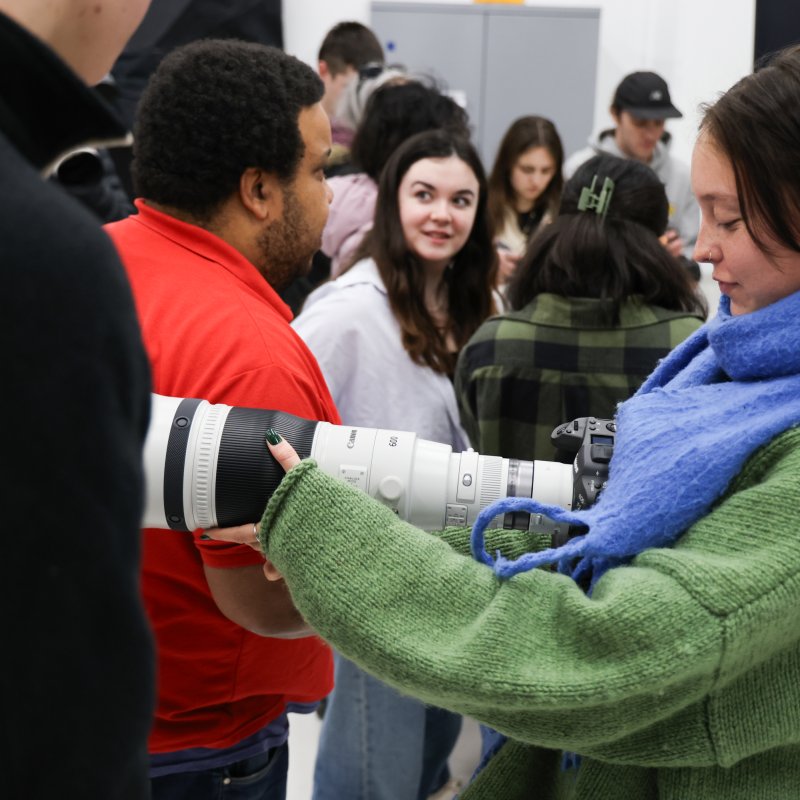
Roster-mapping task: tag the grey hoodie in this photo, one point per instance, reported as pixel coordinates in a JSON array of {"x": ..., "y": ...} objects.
[{"x": 684, "y": 214}]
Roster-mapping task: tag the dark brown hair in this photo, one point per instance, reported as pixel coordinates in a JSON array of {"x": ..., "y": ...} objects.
[
  {"x": 524, "y": 133},
  {"x": 612, "y": 257},
  {"x": 470, "y": 278},
  {"x": 756, "y": 125},
  {"x": 349, "y": 44}
]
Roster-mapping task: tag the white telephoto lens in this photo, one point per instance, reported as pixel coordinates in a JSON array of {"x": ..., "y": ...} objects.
[{"x": 208, "y": 465}]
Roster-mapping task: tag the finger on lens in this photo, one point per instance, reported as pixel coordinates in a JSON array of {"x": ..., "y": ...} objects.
[{"x": 284, "y": 454}]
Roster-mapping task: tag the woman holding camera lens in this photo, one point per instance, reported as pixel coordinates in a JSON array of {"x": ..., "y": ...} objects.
[
  {"x": 594, "y": 305},
  {"x": 386, "y": 335},
  {"x": 664, "y": 657}
]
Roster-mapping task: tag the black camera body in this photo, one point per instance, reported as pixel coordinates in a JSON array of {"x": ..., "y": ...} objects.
[
  {"x": 591, "y": 443},
  {"x": 591, "y": 440}
]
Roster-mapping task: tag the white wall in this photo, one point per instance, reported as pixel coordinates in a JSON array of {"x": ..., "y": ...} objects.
[{"x": 701, "y": 47}]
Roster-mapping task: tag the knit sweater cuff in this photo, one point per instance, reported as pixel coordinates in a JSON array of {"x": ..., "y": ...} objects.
[
  {"x": 278, "y": 498},
  {"x": 512, "y": 543}
]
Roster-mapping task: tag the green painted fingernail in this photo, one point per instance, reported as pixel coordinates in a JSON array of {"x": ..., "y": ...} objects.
[
  {"x": 273, "y": 437},
  {"x": 205, "y": 537}
]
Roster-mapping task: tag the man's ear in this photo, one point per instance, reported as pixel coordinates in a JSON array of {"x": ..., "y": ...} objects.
[
  {"x": 324, "y": 70},
  {"x": 260, "y": 193}
]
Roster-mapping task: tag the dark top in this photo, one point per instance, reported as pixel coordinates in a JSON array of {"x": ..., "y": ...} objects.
[
  {"x": 524, "y": 372},
  {"x": 77, "y": 666},
  {"x": 529, "y": 221}
]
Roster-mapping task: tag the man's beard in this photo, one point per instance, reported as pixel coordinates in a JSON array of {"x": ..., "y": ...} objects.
[{"x": 287, "y": 245}]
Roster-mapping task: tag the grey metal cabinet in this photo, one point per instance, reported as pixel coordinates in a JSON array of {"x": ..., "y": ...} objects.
[{"x": 505, "y": 61}]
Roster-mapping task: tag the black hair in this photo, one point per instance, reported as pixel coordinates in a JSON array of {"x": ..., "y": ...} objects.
[
  {"x": 471, "y": 277},
  {"x": 397, "y": 111},
  {"x": 612, "y": 257},
  {"x": 213, "y": 109},
  {"x": 349, "y": 44},
  {"x": 756, "y": 126}
]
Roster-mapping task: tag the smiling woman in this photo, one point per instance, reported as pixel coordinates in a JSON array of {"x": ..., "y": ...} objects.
[
  {"x": 386, "y": 334},
  {"x": 438, "y": 198},
  {"x": 752, "y": 276},
  {"x": 430, "y": 246},
  {"x": 747, "y": 188}
]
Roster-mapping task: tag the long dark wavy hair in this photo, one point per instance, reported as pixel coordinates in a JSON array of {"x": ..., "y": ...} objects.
[
  {"x": 471, "y": 276},
  {"x": 612, "y": 257},
  {"x": 756, "y": 125},
  {"x": 523, "y": 134}
]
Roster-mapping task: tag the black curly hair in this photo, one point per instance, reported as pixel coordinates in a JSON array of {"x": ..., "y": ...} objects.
[{"x": 212, "y": 109}]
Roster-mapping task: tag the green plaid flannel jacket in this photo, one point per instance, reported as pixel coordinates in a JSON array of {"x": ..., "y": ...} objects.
[{"x": 524, "y": 372}]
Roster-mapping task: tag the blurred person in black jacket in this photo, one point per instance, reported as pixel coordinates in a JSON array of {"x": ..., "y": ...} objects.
[
  {"x": 89, "y": 174},
  {"x": 77, "y": 669}
]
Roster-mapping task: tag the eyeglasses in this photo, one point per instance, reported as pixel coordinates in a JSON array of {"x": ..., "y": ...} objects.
[
  {"x": 370, "y": 70},
  {"x": 373, "y": 69}
]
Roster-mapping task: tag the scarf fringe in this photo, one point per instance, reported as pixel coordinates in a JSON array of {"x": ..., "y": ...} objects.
[{"x": 673, "y": 433}]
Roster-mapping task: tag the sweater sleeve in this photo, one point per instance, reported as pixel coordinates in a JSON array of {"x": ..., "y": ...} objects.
[{"x": 533, "y": 656}]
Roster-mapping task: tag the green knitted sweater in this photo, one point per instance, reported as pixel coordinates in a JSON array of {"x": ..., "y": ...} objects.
[{"x": 679, "y": 679}]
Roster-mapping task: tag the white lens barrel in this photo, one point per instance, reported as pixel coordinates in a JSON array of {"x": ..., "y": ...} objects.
[
  {"x": 407, "y": 474},
  {"x": 428, "y": 474},
  {"x": 207, "y": 465},
  {"x": 202, "y": 458},
  {"x": 162, "y": 412},
  {"x": 181, "y": 454}
]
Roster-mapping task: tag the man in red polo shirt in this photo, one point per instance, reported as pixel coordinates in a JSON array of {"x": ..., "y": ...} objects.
[{"x": 230, "y": 146}]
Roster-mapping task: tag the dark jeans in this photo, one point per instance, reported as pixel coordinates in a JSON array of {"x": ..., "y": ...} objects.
[{"x": 261, "y": 777}]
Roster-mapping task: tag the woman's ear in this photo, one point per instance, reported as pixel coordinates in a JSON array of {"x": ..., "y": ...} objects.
[{"x": 260, "y": 193}]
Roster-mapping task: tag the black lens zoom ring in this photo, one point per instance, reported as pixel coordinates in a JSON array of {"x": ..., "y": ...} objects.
[{"x": 247, "y": 474}]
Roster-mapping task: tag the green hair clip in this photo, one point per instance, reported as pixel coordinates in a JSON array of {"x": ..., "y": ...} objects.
[{"x": 599, "y": 203}]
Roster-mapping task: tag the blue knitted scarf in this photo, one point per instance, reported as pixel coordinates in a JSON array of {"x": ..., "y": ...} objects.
[{"x": 727, "y": 390}]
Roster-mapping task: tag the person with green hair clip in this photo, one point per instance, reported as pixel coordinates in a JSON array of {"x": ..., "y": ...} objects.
[
  {"x": 593, "y": 306},
  {"x": 664, "y": 650}
]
